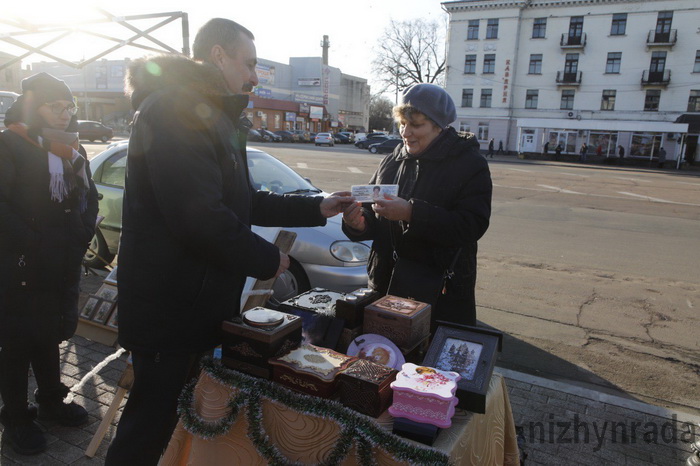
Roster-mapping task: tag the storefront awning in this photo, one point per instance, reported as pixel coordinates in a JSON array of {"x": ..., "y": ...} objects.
[
  {"x": 693, "y": 120},
  {"x": 604, "y": 125}
]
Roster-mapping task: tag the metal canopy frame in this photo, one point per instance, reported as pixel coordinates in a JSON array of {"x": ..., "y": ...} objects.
[{"x": 61, "y": 31}]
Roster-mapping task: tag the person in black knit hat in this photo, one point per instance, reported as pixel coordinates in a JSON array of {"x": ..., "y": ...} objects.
[{"x": 48, "y": 207}]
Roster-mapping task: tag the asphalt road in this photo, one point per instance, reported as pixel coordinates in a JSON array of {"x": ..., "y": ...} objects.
[{"x": 591, "y": 271}]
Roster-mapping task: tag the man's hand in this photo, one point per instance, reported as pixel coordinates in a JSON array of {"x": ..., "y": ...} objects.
[
  {"x": 393, "y": 208},
  {"x": 284, "y": 264},
  {"x": 353, "y": 217},
  {"x": 336, "y": 203}
]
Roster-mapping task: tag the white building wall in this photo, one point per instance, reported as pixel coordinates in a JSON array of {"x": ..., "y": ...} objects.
[{"x": 515, "y": 43}]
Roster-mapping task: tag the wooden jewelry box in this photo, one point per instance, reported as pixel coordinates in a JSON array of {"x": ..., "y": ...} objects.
[
  {"x": 257, "y": 335},
  {"x": 317, "y": 309},
  {"x": 403, "y": 321},
  {"x": 365, "y": 387},
  {"x": 352, "y": 307},
  {"x": 425, "y": 395},
  {"x": 310, "y": 369}
]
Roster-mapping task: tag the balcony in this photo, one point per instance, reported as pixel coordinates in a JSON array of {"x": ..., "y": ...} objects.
[
  {"x": 656, "y": 78},
  {"x": 662, "y": 39},
  {"x": 569, "y": 41},
  {"x": 568, "y": 79}
]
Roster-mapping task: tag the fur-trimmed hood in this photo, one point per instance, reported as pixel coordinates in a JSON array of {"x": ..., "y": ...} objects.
[{"x": 157, "y": 72}]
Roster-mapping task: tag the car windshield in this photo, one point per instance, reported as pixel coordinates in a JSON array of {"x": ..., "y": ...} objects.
[{"x": 269, "y": 174}]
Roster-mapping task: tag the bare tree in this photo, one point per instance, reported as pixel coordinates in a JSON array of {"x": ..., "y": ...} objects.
[
  {"x": 410, "y": 52},
  {"x": 380, "y": 113}
]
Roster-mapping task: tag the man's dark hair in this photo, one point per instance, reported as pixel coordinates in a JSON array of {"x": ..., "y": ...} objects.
[{"x": 217, "y": 31}]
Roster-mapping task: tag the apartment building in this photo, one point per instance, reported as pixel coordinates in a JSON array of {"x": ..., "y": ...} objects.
[{"x": 607, "y": 73}]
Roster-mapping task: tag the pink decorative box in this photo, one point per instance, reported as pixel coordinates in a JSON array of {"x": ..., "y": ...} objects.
[{"x": 424, "y": 394}]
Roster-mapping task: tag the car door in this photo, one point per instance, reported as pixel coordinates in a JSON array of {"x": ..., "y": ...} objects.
[{"x": 110, "y": 184}]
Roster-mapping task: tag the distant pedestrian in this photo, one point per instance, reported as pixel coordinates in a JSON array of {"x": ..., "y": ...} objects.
[
  {"x": 557, "y": 152},
  {"x": 583, "y": 153},
  {"x": 621, "y": 153},
  {"x": 500, "y": 147},
  {"x": 491, "y": 148},
  {"x": 599, "y": 151},
  {"x": 662, "y": 157},
  {"x": 545, "y": 149}
]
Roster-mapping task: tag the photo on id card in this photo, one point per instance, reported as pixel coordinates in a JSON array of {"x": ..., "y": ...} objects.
[{"x": 372, "y": 192}]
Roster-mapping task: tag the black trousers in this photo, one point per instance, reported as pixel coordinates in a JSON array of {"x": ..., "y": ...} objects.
[
  {"x": 150, "y": 415},
  {"x": 14, "y": 374}
]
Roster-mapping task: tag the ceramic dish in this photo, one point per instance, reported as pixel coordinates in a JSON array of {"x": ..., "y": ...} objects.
[{"x": 377, "y": 348}]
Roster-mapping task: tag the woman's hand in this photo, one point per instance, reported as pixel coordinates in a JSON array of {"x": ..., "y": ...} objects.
[
  {"x": 352, "y": 216},
  {"x": 393, "y": 208}
]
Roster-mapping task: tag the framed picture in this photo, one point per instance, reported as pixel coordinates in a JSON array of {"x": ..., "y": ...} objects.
[
  {"x": 90, "y": 306},
  {"x": 112, "y": 277},
  {"x": 114, "y": 319},
  {"x": 472, "y": 354},
  {"x": 103, "y": 311},
  {"x": 107, "y": 292}
]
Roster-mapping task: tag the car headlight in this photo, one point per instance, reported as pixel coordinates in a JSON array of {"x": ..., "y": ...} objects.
[{"x": 349, "y": 251}]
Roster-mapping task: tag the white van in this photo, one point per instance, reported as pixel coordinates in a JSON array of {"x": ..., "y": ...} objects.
[{"x": 7, "y": 98}]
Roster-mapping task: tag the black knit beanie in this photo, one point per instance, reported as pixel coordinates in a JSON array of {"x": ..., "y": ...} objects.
[{"x": 46, "y": 88}]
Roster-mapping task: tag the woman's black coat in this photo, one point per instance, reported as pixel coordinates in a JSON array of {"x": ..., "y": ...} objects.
[
  {"x": 42, "y": 243},
  {"x": 449, "y": 187}
]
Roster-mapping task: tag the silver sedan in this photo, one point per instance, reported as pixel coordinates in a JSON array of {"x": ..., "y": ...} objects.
[{"x": 321, "y": 256}]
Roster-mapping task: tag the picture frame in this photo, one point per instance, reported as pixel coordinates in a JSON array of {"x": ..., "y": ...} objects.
[
  {"x": 90, "y": 306},
  {"x": 111, "y": 278},
  {"x": 472, "y": 354},
  {"x": 113, "y": 320},
  {"x": 103, "y": 311},
  {"x": 107, "y": 292}
]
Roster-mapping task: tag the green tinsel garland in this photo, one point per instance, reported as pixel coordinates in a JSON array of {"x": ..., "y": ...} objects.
[{"x": 355, "y": 428}]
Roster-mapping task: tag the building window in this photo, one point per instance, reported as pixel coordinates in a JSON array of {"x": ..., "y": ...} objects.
[
  {"x": 571, "y": 67},
  {"x": 486, "y": 98},
  {"x": 619, "y": 24},
  {"x": 470, "y": 64},
  {"x": 657, "y": 65},
  {"x": 492, "y": 28},
  {"x": 696, "y": 68},
  {"x": 489, "y": 63},
  {"x": 613, "y": 63},
  {"x": 663, "y": 26},
  {"x": 575, "y": 30},
  {"x": 467, "y": 97},
  {"x": 608, "y": 100},
  {"x": 539, "y": 28},
  {"x": 567, "y": 99},
  {"x": 531, "y": 97},
  {"x": 464, "y": 127},
  {"x": 535, "y": 64},
  {"x": 483, "y": 133},
  {"x": 651, "y": 101},
  {"x": 694, "y": 101},
  {"x": 473, "y": 29}
]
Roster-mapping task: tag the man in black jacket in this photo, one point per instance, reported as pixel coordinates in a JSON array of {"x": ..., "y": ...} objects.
[{"x": 186, "y": 246}]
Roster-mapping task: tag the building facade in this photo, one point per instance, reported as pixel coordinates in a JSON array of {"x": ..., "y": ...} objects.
[
  {"x": 607, "y": 73},
  {"x": 302, "y": 95}
]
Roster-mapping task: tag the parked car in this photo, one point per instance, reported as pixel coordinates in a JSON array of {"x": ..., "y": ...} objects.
[
  {"x": 303, "y": 135},
  {"x": 376, "y": 133},
  {"x": 349, "y": 135},
  {"x": 341, "y": 138},
  {"x": 324, "y": 138},
  {"x": 94, "y": 130},
  {"x": 385, "y": 147},
  {"x": 255, "y": 136},
  {"x": 320, "y": 257},
  {"x": 272, "y": 136},
  {"x": 287, "y": 136},
  {"x": 365, "y": 143}
]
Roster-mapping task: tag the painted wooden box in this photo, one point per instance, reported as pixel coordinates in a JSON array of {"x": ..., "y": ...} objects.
[
  {"x": 424, "y": 394},
  {"x": 317, "y": 308},
  {"x": 310, "y": 369},
  {"x": 257, "y": 335},
  {"x": 403, "y": 321},
  {"x": 352, "y": 307},
  {"x": 365, "y": 387}
]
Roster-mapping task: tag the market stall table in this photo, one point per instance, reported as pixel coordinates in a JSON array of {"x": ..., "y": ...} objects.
[{"x": 231, "y": 418}]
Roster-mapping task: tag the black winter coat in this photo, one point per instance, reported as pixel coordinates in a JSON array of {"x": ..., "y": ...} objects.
[
  {"x": 38, "y": 301},
  {"x": 186, "y": 246},
  {"x": 449, "y": 187}
]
